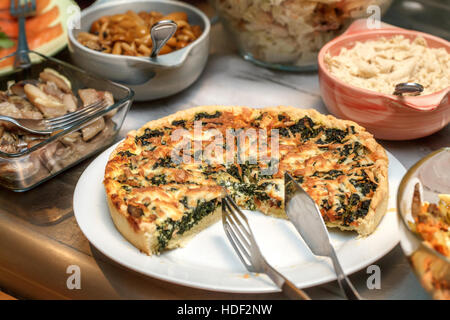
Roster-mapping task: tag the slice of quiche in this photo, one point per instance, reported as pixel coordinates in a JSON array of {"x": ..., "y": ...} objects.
[{"x": 164, "y": 182}]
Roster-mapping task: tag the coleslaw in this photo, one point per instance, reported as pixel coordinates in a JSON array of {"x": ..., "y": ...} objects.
[{"x": 289, "y": 32}]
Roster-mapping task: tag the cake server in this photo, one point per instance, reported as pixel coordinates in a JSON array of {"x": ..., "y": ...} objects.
[{"x": 307, "y": 219}]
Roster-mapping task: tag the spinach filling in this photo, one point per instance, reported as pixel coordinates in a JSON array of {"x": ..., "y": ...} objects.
[
  {"x": 159, "y": 179},
  {"x": 125, "y": 153},
  {"x": 208, "y": 170},
  {"x": 248, "y": 176},
  {"x": 184, "y": 202},
  {"x": 363, "y": 209},
  {"x": 167, "y": 228},
  {"x": 284, "y": 132},
  {"x": 364, "y": 185},
  {"x": 351, "y": 209},
  {"x": 304, "y": 127},
  {"x": 249, "y": 170},
  {"x": 249, "y": 190},
  {"x": 148, "y": 134},
  {"x": 204, "y": 115},
  {"x": 356, "y": 149},
  {"x": 328, "y": 175},
  {"x": 234, "y": 172},
  {"x": 325, "y": 205},
  {"x": 299, "y": 179},
  {"x": 333, "y": 136},
  {"x": 164, "y": 163},
  {"x": 179, "y": 123}
]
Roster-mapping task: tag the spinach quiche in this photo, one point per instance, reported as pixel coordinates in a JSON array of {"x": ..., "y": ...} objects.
[{"x": 165, "y": 181}]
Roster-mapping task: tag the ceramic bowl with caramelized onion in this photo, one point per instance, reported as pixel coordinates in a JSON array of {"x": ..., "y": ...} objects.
[
  {"x": 149, "y": 78},
  {"x": 129, "y": 33}
]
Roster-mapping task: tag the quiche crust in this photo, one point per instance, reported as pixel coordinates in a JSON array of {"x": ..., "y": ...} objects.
[
  {"x": 143, "y": 233},
  {"x": 143, "y": 239}
]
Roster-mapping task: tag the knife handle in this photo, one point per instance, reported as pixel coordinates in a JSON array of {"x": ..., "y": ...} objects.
[
  {"x": 292, "y": 292},
  {"x": 344, "y": 282},
  {"x": 287, "y": 287}
]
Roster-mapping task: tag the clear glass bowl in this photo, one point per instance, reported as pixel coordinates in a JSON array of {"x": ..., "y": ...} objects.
[
  {"x": 288, "y": 34},
  {"x": 26, "y": 169},
  {"x": 430, "y": 266}
]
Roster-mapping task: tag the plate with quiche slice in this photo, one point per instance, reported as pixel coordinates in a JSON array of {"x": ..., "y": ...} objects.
[{"x": 152, "y": 202}]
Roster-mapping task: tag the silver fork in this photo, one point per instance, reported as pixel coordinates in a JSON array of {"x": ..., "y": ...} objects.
[
  {"x": 21, "y": 10},
  {"x": 241, "y": 238},
  {"x": 48, "y": 126}
]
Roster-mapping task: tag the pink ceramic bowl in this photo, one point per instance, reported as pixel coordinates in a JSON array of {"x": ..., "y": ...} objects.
[{"x": 386, "y": 116}]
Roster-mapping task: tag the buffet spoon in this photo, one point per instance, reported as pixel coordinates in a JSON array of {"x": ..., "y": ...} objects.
[
  {"x": 408, "y": 87},
  {"x": 160, "y": 33}
]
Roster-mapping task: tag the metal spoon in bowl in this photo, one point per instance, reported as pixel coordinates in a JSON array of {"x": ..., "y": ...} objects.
[
  {"x": 161, "y": 32},
  {"x": 140, "y": 70},
  {"x": 408, "y": 87}
]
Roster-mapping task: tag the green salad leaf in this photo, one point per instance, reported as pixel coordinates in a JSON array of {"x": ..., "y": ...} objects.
[{"x": 5, "y": 41}]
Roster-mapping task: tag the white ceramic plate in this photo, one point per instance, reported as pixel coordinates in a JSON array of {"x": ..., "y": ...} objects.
[{"x": 209, "y": 262}]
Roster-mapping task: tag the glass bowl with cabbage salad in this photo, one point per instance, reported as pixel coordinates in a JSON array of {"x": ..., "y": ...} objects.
[{"x": 288, "y": 34}]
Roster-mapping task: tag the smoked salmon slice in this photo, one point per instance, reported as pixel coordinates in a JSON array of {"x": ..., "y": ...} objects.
[
  {"x": 44, "y": 36},
  {"x": 35, "y": 40},
  {"x": 34, "y": 24}
]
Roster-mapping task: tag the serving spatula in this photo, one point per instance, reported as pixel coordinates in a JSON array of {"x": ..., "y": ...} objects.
[{"x": 305, "y": 215}]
